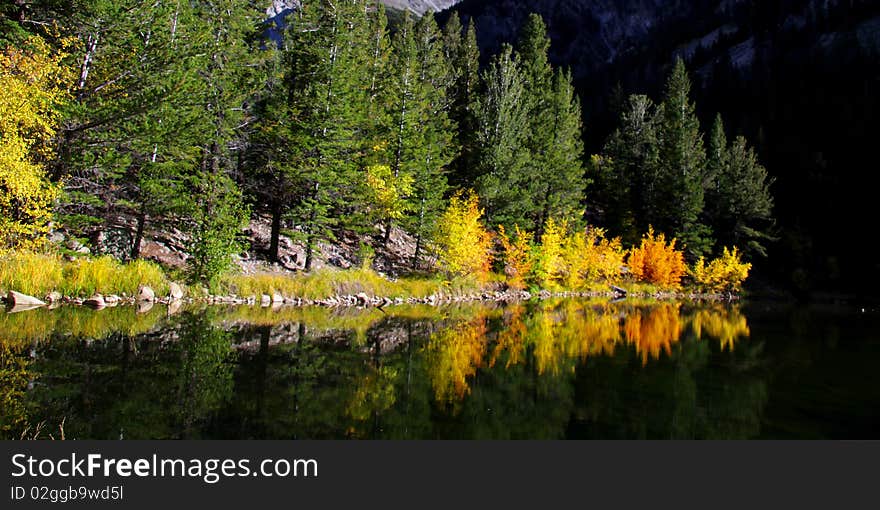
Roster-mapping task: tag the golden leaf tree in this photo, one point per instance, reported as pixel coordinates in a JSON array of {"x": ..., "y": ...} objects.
[
  {"x": 462, "y": 240},
  {"x": 31, "y": 91}
]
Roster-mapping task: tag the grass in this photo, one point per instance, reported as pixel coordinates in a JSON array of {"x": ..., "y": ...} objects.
[
  {"x": 38, "y": 274},
  {"x": 326, "y": 283}
]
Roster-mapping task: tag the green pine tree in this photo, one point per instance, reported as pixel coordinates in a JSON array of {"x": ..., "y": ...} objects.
[
  {"x": 463, "y": 55},
  {"x": 502, "y": 131},
  {"x": 626, "y": 172},
  {"x": 739, "y": 203},
  {"x": 327, "y": 96},
  {"x": 677, "y": 199}
]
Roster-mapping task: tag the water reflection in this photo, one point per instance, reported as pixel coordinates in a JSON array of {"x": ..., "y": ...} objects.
[{"x": 528, "y": 370}]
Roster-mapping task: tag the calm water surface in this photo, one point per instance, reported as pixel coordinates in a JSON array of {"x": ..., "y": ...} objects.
[{"x": 541, "y": 370}]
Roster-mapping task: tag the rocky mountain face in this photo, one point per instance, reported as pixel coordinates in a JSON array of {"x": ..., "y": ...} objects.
[
  {"x": 420, "y": 7},
  {"x": 593, "y": 34}
]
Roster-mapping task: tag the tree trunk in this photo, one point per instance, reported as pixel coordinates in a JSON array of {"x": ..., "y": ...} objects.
[
  {"x": 276, "y": 232},
  {"x": 308, "y": 264},
  {"x": 387, "y": 236},
  {"x": 415, "y": 258},
  {"x": 138, "y": 235}
]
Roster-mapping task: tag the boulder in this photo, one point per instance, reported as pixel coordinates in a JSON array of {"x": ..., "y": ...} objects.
[
  {"x": 277, "y": 298},
  {"x": 53, "y": 297},
  {"x": 363, "y": 298},
  {"x": 174, "y": 307},
  {"x": 144, "y": 306},
  {"x": 18, "y": 299},
  {"x": 265, "y": 300},
  {"x": 111, "y": 300},
  {"x": 145, "y": 293},
  {"x": 96, "y": 301},
  {"x": 175, "y": 291}
]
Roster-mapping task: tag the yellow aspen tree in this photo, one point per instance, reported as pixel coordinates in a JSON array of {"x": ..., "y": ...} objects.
[
  {"x": 550, "y": 264},
  {"x": 518, "y": 257},
  {"x": 30, "y": 94},
  {"x": 462, "y": 240}
]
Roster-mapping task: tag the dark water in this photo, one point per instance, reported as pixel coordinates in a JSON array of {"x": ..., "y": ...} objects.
[{"x": 554, "y": 369}]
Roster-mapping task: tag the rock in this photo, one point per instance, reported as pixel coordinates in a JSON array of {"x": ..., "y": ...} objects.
[
  {"x": 23, "y": 308},
  {"x": 144, "y": 306},
  {"x": 277, "y": 298},
  {"x": 265, "y": 300},
  {"x": 145, "y": 293},
  {"x": 174, "y": 307},
  {"x": 53, "y": 297},
  {"x": 18, "y": 299},
  {"x": 78, "y": 247},
  {"x": 175, "y": 292},
  {"x": 96, "y": 301},
  {"x": 363, "y": 298},
  {"x": 111, "y": 300},
  {"x": 618, "y": 291}
]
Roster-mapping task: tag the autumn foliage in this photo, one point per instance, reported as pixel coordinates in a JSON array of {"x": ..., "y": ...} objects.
[
  {"x": 550, "y": 261},
  {"x": 30, "y": 94},
  {"x": 657, "y": 261},
  {"x": 518, "y": 256},
  {"x": 591, "y": 257},
  {"x": 723, "y": 274},
  {"x": 463, "y": 243}
]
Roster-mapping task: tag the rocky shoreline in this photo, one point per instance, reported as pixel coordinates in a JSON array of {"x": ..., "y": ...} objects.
[{"x": 146, "y": 296}]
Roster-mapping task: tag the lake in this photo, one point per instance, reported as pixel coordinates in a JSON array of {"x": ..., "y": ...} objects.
[{"x": 554, "y": 369}]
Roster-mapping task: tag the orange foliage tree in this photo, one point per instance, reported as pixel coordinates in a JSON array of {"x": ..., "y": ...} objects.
[{"x": 657, "y": 261}]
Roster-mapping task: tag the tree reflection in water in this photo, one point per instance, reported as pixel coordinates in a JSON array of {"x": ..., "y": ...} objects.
[{"x": 549, "y": 369}]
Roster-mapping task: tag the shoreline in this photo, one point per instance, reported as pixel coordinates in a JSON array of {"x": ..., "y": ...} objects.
[{"x": 363, "y": 300}]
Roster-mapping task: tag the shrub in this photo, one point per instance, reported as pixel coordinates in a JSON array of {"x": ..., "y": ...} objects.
[
  {"x": 723, "y": 274},
  {"x": 518, "y": 256},
  {"x": 463, "y": 243},
  {"x": 656, "y": 261},
  {"x": 549, "y": 263},
  {"x": 589, "y": 257}
]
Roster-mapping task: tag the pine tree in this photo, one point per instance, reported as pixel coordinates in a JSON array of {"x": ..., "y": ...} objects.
[
  {"x": 561, "y": 179},
  {"x": 626, "y": 172},
  {"x": 739, "y": 203},
  {"x": 437, "y": 148},
  {"x": 226, "y": 71},
  {"x": 131, "y": 111},
  {"x": 326, "y": 61},
  {"x": 502, "y": 130},
  {"x": 533, "y": 47},
  {"x": 679, "y": 194},
  {"x": 464, "y": 59}
]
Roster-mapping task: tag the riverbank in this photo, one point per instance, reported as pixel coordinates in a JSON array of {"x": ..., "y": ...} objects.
[{"x": 31, "y": 279}]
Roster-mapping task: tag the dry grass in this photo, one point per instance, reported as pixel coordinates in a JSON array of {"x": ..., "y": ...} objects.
[
  {"x": 38, "y": 274},
  {"x": 326, "y": 283}
]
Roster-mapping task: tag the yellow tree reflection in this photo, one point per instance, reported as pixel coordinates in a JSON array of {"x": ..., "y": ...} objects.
[
  {"x": 455, "y": 354},
  {"x": 512, "y": 337},
  {"x": 723, "y": 324}
]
